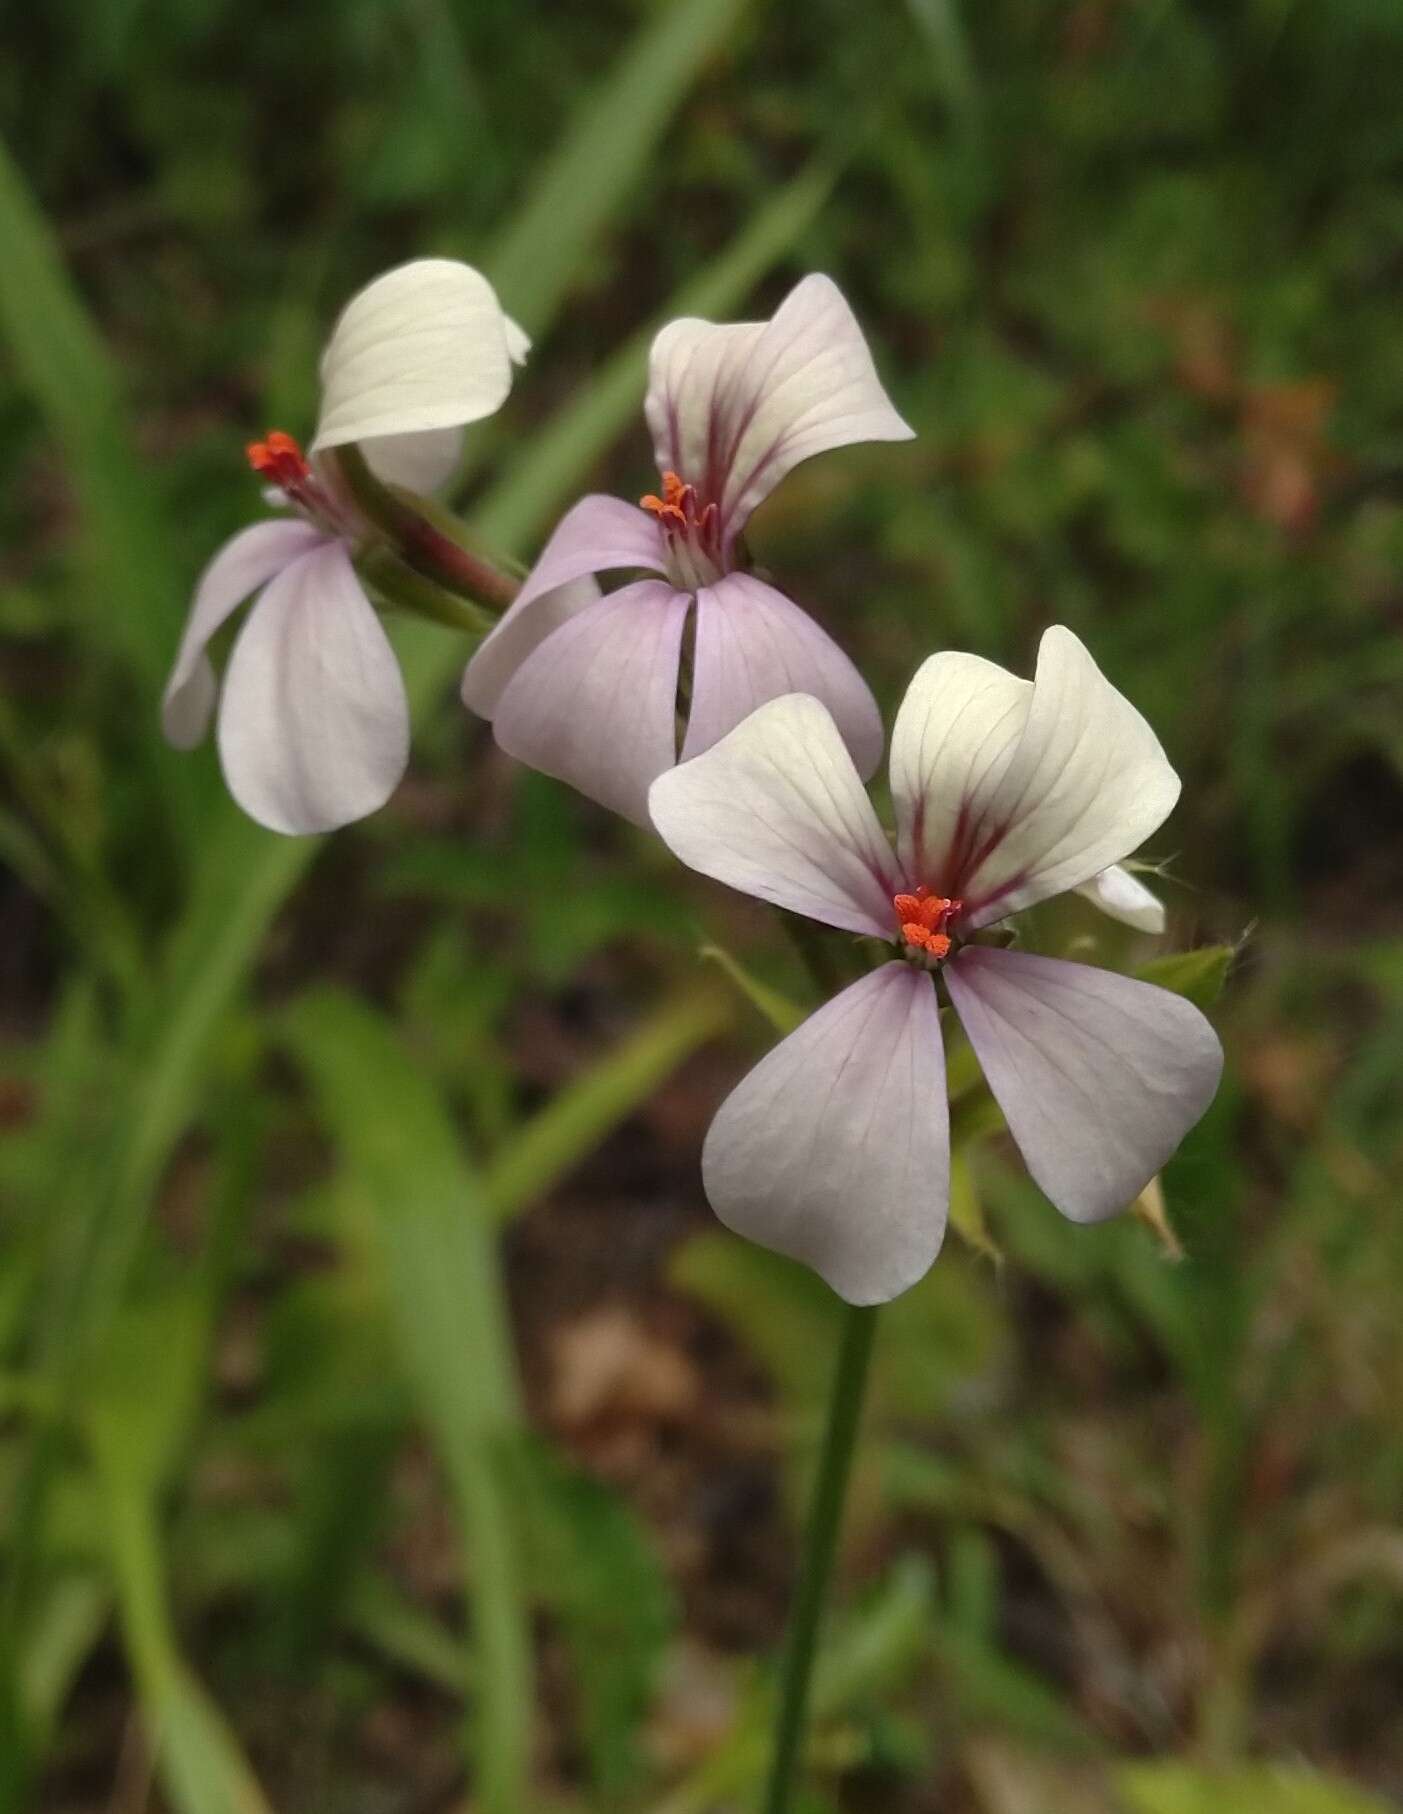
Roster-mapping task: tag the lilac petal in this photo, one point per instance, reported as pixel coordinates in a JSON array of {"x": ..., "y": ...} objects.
[
  {"x": 598, "y": 535},
  {"x": 241, "y": 566},
  {"x": 596, "y": 703},
  {"x": 313, "y": 719},
  {"x": 776, "y": 809},
  {"x": 835, "y": 1149},
  {"x": 733, "y": 408},
  {"x": 753, "y": 645},
  {"x": 1099, "y": 1076}
]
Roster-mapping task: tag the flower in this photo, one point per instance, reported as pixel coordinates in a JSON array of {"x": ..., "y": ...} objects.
[
  {"x": 835, "y": 1148},
  {"x": 586, "y": 688},
  {"x": 313, "y": 718}
]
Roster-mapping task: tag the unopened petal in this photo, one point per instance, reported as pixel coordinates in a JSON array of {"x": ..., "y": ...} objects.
[
  {"x": 597, "y": 535},
  {"x": 777, "y": 810},
  {"x": 423, "y": 348},
  {"x": 835, "y": 1149},
  {"x": 733, "y": 408},
  {"x": 595, "y": 704},
  {"x": 1123, "y": 896},
  {"x": 313, "y": 719},
  {"x": 754, "y": 645},
  {"x": 1099, "y": 1076},
  {"x": 241, "y": 566}
]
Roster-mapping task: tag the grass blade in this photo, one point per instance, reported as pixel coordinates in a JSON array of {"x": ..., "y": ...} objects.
[
  {"x": 445, "y": 1302},
  {"x": 574, "y": 1122},
  {"x": 601, "y": 156},
  {"x": 61, "y": 358}
]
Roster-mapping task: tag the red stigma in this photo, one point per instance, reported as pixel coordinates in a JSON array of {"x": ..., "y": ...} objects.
[{"x": 923, "y": 917}]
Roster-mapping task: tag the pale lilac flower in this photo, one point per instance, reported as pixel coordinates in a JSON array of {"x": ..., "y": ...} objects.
[
  {"x": 586, "y": 688},
  {"x": 835, "y": 1149},
  {"x": 313, "y": 718}
]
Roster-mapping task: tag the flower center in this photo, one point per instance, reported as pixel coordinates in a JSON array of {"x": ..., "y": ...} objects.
[
  {"x": 693, "y": 534},
  {"x": 282, "y": 462},
  {"x": 922, "y": 918}
]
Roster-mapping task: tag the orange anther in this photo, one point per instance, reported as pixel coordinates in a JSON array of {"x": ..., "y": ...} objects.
[
  {"x": 678, "y": 505},
  {"x": 663, "y": 510},
  {"x": 936, "y": 944},
  {"x": 922, "y": 917},
  {"x": 280, "y": 459}
]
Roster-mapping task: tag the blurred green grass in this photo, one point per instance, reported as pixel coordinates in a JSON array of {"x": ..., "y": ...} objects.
[{"x": 1131, "y": 271}]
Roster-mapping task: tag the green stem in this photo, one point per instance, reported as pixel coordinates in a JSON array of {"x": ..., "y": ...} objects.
[
  {"x": 422, "y": 543},
  {"x": 820, "y": 1546},
  {"x": 393, "y": 583}
]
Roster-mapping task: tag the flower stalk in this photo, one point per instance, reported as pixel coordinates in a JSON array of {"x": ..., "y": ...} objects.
[
  {"x": 820, "y": 1547},
  {"x": 398, "y": 586},
  {"x": 423, "y": 544}
]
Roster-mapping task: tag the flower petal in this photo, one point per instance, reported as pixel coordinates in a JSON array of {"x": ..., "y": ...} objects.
[
  {"x": 242, "y": 565},
  {"x": 776, "y": 809},
  {"x": 1125, "y": 897},
  {"x": 425, "y": 347},
  {"x": 423, "y": 462},
  {"x": 313, "y": 719},
  {"x": 733, "y": 408},
  {"x": 518, "y": 341},
  {"x": 1099, "y": 1076},
  {"x": 596, "y": 703},
  {"x": 835, "y": 1149},
  {"x": 597, "y": 535},
  {"x": 754, "y": 645},
  {"x": 954, "y": 736},
  {"x": 1006, "y": 796}
]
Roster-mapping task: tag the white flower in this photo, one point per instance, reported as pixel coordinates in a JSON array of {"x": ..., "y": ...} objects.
[
  {"x": 313, "y": 719},
  {"x": 835, "y": 1149}
]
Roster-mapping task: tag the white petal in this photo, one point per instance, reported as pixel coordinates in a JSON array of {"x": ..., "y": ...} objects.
[
  {"x": 424, "y": 462},
  {"x": 518, "y": 341},
  {"x": 596, "y": 703},
  {"x": 776, "y": 809},
  {"x": 1086, "y": 785},
  {"x": 1005, "y": 795},
  {"x": 241, "y": 566},
  {"x": 835, "y": 1149},
  {"x": 313, "y": 720},
  {"x": 597, "y": 535},
  {"x": 754, "y": 645},
  {"x": 954, "y": 736},
  {"x": 425, "y": 347},
  {"x": 733, "y": 408},
  {"x": 1099, "y": 1076},
  {"x": 1125, "y": 897}
]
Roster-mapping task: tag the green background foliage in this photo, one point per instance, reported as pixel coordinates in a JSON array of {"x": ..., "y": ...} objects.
[{"x": 384, "y": 1424}]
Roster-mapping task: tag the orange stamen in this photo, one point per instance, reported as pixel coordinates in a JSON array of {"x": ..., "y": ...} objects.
[
  {"x": 923, "y": 917},
  {"x": 280, "y": 460},
  {"x": 936, "y": 943},
  {"x": 677, "y": 502}
]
